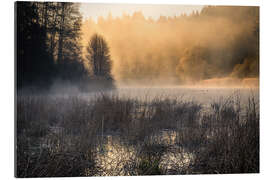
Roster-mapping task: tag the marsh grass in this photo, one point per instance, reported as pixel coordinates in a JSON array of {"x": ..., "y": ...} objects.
[{"x": 68, "y": 136}]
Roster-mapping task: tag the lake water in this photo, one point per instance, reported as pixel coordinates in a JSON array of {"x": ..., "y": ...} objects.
[{"x": 203, "y": 96}]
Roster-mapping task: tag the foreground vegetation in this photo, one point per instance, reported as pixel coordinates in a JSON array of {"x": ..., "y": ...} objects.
[{"x": 109, "y": 135}]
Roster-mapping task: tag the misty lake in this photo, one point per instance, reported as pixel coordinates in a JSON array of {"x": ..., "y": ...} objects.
[
  {"x": 115, "y": 153},
  {"x": 204, "y": 96}
]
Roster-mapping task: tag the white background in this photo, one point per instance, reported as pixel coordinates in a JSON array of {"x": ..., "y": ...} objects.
[{"x": 7, "y": 87}]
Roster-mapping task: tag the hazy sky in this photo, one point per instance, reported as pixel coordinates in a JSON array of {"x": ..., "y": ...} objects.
[{"x": 153, "y": 10}]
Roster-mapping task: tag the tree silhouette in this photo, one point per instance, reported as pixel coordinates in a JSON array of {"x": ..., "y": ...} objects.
[
  {"x": 48, "y": 44},
  {"x": 34, "y": 64},
  {"x": 68, "y": 53},
  {"x": 98, "y": 56}
]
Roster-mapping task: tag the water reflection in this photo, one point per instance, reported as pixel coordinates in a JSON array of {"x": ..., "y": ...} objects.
[
  {"x": 114, "y": 157},
  {"x": 176, "y": 160}
]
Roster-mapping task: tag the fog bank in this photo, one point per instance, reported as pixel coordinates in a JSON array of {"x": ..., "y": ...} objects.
[{"x": 217, "y": 44}]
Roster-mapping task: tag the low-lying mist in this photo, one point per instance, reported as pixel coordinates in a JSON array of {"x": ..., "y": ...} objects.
[{"x": 219, "y": 45}]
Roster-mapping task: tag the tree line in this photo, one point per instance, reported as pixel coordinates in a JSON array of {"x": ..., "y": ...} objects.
[
  {"x": 216, "y": 42},
  {"x": 48, "y": 47}
]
